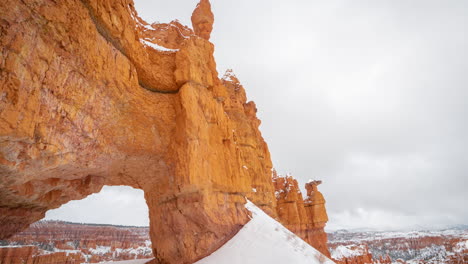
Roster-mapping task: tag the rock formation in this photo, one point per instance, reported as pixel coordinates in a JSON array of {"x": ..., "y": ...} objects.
[
  {"x": 203, "y": 19},
  {"x": 356, "y": 254},
  {"x": 91, "y": 96},
  {"x": 17, "y": 255},
  {"x": 306, "y": 218}
]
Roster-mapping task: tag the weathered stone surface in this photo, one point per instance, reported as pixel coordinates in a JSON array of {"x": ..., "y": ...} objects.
[
  {"x": 89, "y": 98},
  {"x": 306, "y": 218}
]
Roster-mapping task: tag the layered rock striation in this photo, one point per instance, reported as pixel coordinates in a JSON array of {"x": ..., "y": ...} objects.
[
  {"x": 304, "y": 217},
  {"x": 356, "y": 254},
  {"x": 91, "y": 95}
]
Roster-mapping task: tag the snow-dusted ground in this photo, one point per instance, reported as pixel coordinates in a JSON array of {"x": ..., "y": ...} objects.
[
  {"x": 136, "y": 261},
  {"x": 409, "y": 246},
  {"x": 350, "y": 251},
  {"x": 264, "y": 240}
]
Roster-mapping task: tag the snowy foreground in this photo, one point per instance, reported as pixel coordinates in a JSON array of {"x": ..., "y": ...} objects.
[{"x": 262, "y": 241}]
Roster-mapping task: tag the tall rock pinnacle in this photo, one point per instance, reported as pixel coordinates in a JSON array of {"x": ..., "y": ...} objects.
[
  {"x": 306, "y": 218},
  {"x": 203, "y": 19}
]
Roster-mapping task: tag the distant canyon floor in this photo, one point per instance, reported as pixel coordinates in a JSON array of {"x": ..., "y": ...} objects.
[{"x": 50, "y": 241}]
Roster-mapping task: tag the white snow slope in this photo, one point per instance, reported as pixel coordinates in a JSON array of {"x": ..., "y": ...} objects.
[{"x": 265, "y": 241}]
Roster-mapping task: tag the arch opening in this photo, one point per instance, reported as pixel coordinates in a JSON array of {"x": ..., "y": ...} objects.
[
  {"x": 113, "y": 205},
  {"x": 111, "y": 225}
]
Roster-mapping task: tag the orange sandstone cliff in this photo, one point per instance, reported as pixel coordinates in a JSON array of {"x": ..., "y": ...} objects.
[{"x": 91, "y": 95}]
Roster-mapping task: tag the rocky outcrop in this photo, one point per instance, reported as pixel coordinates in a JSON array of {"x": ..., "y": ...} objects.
[
  {"x": 32, "y": 255},
  {"x": 306, "y": 218},
  {"x": 17, "y": 255},
  {"x": 91, "y": 95}
]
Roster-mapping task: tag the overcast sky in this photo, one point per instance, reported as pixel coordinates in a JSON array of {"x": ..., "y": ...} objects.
[{"x": 368, "y": 96}]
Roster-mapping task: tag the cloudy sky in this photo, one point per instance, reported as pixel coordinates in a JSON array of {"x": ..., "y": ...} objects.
[{"x": 368, "y": 96}]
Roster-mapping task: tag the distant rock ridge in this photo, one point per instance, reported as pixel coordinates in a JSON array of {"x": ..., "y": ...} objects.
[
  {"x": 405, "y": 247},
  {"x": 63, "y": 243},
  {"x": 357, "y": 254}
]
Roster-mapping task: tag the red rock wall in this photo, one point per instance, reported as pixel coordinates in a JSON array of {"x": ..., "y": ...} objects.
[
  {"x": 30, "y": 255},
  {"x": 306, "y": 218},
  {"x": 86, "y": 101},
  {"x": 418, "y": 248},
  {"x": 17, "y": 255}
]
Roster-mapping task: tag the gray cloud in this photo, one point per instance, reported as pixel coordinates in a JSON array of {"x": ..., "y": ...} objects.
[{"x": 369, "y": 96}]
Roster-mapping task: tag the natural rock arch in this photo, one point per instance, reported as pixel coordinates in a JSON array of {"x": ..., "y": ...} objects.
[{"x": 88, "y": 99}]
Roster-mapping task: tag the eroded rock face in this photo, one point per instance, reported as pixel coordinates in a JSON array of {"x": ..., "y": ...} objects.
[
  {"x": 356, "y": 254},
  {"x": 91, "y": 95},
  {"x": 306, "y": 218}
]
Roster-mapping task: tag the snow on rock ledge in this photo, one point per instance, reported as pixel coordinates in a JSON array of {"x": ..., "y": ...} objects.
[
  {"x": 342, "y": 252},
  {"x": 156, "y": 46},
  {"x": 264, "y": 240}
]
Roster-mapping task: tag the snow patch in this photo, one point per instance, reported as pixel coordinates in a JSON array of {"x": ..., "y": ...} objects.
[
  {"x": 156, "y": 46},
  {"x": 461, "y": 246},
  {"x": 342, "y": 252},
  {"x": 264, "y": 240}
]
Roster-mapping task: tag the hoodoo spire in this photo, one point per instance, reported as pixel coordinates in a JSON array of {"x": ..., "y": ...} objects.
[{"x": 203, "y": 19}]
